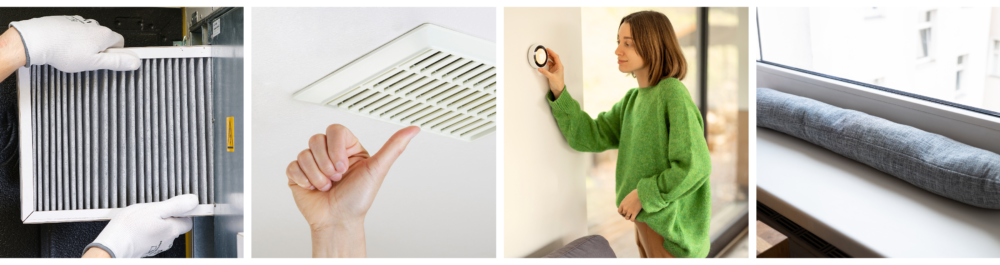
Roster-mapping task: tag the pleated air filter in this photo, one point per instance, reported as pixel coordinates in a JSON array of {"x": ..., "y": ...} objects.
[
  {"x": 97, "y": 141},
  {"x": 441, "y": 80}
]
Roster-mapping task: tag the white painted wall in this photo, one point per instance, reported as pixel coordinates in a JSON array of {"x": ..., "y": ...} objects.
[
  {"x": 438, "y": 200},
  {"x": 545, "y": 203}
]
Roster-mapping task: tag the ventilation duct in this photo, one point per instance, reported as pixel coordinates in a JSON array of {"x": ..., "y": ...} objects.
[
  {"x": 441, "y": 80},
  {"x": 103, "y": 140}
]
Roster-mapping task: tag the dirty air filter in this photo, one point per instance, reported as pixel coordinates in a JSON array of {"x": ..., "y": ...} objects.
[
  {"x": 443, "y": 81},
  {"x": 103, "y": 140}
]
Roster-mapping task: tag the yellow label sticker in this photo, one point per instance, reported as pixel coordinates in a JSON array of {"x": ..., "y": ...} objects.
[{"x": 230, "y": 135}]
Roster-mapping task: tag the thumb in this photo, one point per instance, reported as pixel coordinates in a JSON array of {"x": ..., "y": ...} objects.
[
  {"x": 545, "y": 72},
  {"x": 116, "y": 61},
  {"x": 178, "y": 206},
  {"x": 109, "y": 38},
  {"x": 394, "y": 147},
  {"x": 180, "y": 225}
]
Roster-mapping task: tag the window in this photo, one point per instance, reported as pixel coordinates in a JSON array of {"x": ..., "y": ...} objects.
[
  {"x": 926, "y": 40},
  {"x": 935, "y": 54},
  {"x": 959, "y": 72}
]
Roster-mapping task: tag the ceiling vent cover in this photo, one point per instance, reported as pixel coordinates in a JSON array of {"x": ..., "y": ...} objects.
[
  {"x": 102, "y": 140},
  {"x": 441, "y": 80}
]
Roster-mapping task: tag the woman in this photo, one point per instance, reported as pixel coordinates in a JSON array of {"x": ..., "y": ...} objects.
[{"x": 661, "y": 180}]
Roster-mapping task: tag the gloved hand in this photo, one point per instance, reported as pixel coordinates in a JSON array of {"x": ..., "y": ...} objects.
[
  {"x": 146, "y": 229},
  {"x": 72, "y": 44}
]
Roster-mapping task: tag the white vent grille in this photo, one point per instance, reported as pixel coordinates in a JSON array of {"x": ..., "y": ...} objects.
[
  {"x": 109, "y": 139},
  {"x": 448, "y": 92}
]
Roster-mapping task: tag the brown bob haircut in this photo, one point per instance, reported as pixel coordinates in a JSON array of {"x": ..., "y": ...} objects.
[{"x": 656, "y": 43}]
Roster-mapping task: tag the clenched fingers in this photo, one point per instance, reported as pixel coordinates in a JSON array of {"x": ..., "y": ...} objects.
[
  {"x": 296, "y": 177},
  {"x": 317, "y": 144},
  {"x": 308, "y": 165},
  {"x": 341, "y": 144}
]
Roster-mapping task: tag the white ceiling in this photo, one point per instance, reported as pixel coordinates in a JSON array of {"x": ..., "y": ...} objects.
[
  {"x": 296, "y": 46},
  {"x": 439, "y": 199}
]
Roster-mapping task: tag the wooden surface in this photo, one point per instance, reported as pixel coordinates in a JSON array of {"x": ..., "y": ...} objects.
[{"x": 770, "y": 242}]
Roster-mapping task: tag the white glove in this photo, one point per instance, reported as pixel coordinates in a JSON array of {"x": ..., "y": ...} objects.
[
  {"x": 72, "y": 44},
  {"x": 146, "y": 229}
]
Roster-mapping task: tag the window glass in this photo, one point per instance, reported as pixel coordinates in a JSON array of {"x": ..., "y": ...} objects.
[{"x": 947, "y": 53}]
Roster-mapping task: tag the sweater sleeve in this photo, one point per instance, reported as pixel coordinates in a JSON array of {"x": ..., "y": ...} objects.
[
  {"x": 583, "y": 133},
  {"x": 689, "y": 161}
]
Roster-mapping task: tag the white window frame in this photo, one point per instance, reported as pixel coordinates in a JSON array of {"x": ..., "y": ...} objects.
[{"x": 970, "y": 127}]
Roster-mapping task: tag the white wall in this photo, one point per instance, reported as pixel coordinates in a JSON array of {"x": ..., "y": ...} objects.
[
  {"x": 545, "y": 203},
  {"x": 438, "y": 200}
]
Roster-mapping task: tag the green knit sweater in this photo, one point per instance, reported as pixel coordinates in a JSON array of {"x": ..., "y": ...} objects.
[{"x": 661, "y": 152}]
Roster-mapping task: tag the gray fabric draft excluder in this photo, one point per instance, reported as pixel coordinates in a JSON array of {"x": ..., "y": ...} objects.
[{"x": 932, "y": 162}]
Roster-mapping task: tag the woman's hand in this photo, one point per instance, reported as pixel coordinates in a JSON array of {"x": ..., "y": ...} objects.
[
  {"x": 554, "y": 73},
  {"x": 334, "y": 183},
  {"x": 630, "y": 206}
]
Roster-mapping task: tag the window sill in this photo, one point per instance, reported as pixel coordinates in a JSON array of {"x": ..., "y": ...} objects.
[{"x": 863, "y": 211}]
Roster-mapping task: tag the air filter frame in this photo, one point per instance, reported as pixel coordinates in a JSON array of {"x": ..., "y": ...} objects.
[
  {"x": 438, "y": 79},
  {"x": 28, "y": 213}
]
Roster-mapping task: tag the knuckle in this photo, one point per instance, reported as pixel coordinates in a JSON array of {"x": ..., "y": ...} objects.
[
  {"x": 336, "y": 127},
  {"x": 374, "y": 168},
  {"x": 305, "y": 155},
  {"x": 318, "y": 138},
  {"x": 292, "y": 168}
]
